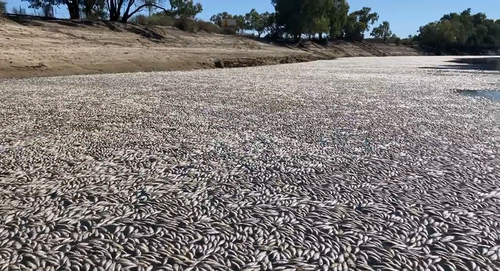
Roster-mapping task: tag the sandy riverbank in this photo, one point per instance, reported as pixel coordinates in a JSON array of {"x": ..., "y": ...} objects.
[{"x": 33, "y": 47}]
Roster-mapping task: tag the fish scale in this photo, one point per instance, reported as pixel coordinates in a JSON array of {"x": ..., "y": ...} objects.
[{"x": 325, "y": 166}]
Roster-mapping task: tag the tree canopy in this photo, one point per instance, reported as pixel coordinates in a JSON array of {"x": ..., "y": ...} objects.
[
  {"x": 297, "y": 19},
  {"x": 2, "y": 7},
  {"x": 383, "y": 31},
  {"x": 116, "y": 10},
  {"x": 460, "y": 28}
]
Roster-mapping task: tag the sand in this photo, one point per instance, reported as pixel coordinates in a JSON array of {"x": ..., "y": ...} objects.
[{"x": 35, "y": 47}]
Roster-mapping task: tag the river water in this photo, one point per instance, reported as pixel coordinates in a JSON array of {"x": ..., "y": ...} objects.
[{"x": 483, "y": 64}]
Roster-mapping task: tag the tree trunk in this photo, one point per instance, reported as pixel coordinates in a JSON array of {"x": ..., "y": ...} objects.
[
  {"x": 73, "y": 9},
  {"x": 113, "y": 13}
]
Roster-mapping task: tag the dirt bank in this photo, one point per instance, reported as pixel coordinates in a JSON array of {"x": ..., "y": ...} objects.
[{"x": 35, "y": 47}]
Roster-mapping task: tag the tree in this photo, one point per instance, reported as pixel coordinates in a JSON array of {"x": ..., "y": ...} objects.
[
  {"x": 19, "y": 11},
  {"x": 3, "y": 7},
  {"x": 274, "y": 30},
  {"x": 185, "y": 8},
  {"x": 95, "y": 9},
  {"x": 397, "y": 41},
  {"x": 257, "y": 22},
  {"x": 241, "y": 24},
  {"x": 178, "y": 8},
  {"x": 437, "y": 34},
  {"x": 358, "y": 22},
  {"x": 266, "y": 22},
  {"x": 252, "y": 19},
  {"x": 218, "y": 18},
  {"x": 338, "y": 12},
  {"x": 353, "y": 29},
  {"x": 494, "y": 33},
  {"x": 289, "y": 15},
  {"x": 366, "y": 17},
  {"x": 383, "y": 31},
  {"x": 464, "y": 30},
  {"x": 72, "y": 5}
]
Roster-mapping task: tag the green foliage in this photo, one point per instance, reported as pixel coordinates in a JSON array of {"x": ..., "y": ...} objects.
[
  {"x": 366, "y": 17},
  {"x": 437, "y": 34},
  {"x": 228, "y": 31},
  {"x": 397, "y": 41},
  {"x": 155, "y": 19},
  {"x": 383, "y": 31},
  {"x": 208, "y": 27},
  {"x": 354, "y": 29},
  {"x": 115, "y": 10},
  {"x": 463, "y": 28},
  {"x": 358, "y": 22},
  {"x": 289, "y": 15},
  {"x": 313, "y": 17},
  {"x": 182, "y": 23},
  {"x": 338, "y": 12},
  {"x": 183, "y": 8},
  {"x": 3, "y": 7},
  {"x": 241, "y": 22},
  {"x": 186, "y": 24},
  {"x": 94, "y": 9},
  {"x": 74, "y": 6},
  {"x": 218, "y": 18},
  {"x": 258, "y": 22}
]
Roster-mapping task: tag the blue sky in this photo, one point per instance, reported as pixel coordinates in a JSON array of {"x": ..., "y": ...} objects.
[{"x": 405, "y": 17}]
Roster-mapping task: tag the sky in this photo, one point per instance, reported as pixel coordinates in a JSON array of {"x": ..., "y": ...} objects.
[{"x": 405, "y": 17}]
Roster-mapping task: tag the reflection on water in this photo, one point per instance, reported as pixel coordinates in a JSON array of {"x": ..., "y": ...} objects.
[
  {"x": 489, "y": 94},
  {"x": 488, "y": 64},
  {"x": 485, "y": 64}
]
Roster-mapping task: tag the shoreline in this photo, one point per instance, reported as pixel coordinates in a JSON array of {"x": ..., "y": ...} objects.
[
  {"x": 43, "y": 70},
  {"x": 32, "y": 47}
]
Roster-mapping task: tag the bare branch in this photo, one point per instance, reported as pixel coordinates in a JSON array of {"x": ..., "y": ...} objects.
[{"x": 128, "y": 16}]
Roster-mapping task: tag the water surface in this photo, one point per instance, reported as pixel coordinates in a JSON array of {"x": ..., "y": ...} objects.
[
  {"x": 483, "y": 64},
  {"x": 493, "y": 95}
]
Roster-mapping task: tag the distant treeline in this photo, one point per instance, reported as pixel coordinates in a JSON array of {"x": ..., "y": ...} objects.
[
  {"x": 461, "y": 32},
  {"x": 291, "y": 19}
]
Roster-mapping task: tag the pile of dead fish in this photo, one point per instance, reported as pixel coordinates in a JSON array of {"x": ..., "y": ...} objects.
[{"x": 353, "y": 164}]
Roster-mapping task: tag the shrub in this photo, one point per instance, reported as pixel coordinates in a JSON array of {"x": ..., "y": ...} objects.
[
  {"x": 155, "y": 19},
  {"x": 229, "y": 31},
  {"x": 397, "y": 41},
  {"x": 161, "y": 19},
  {"x": 186, "y": 24},
  {"x": 140, "y": 19},
  {"x": 407, "y": 42},
  {"x": 208, "y": 27}
]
